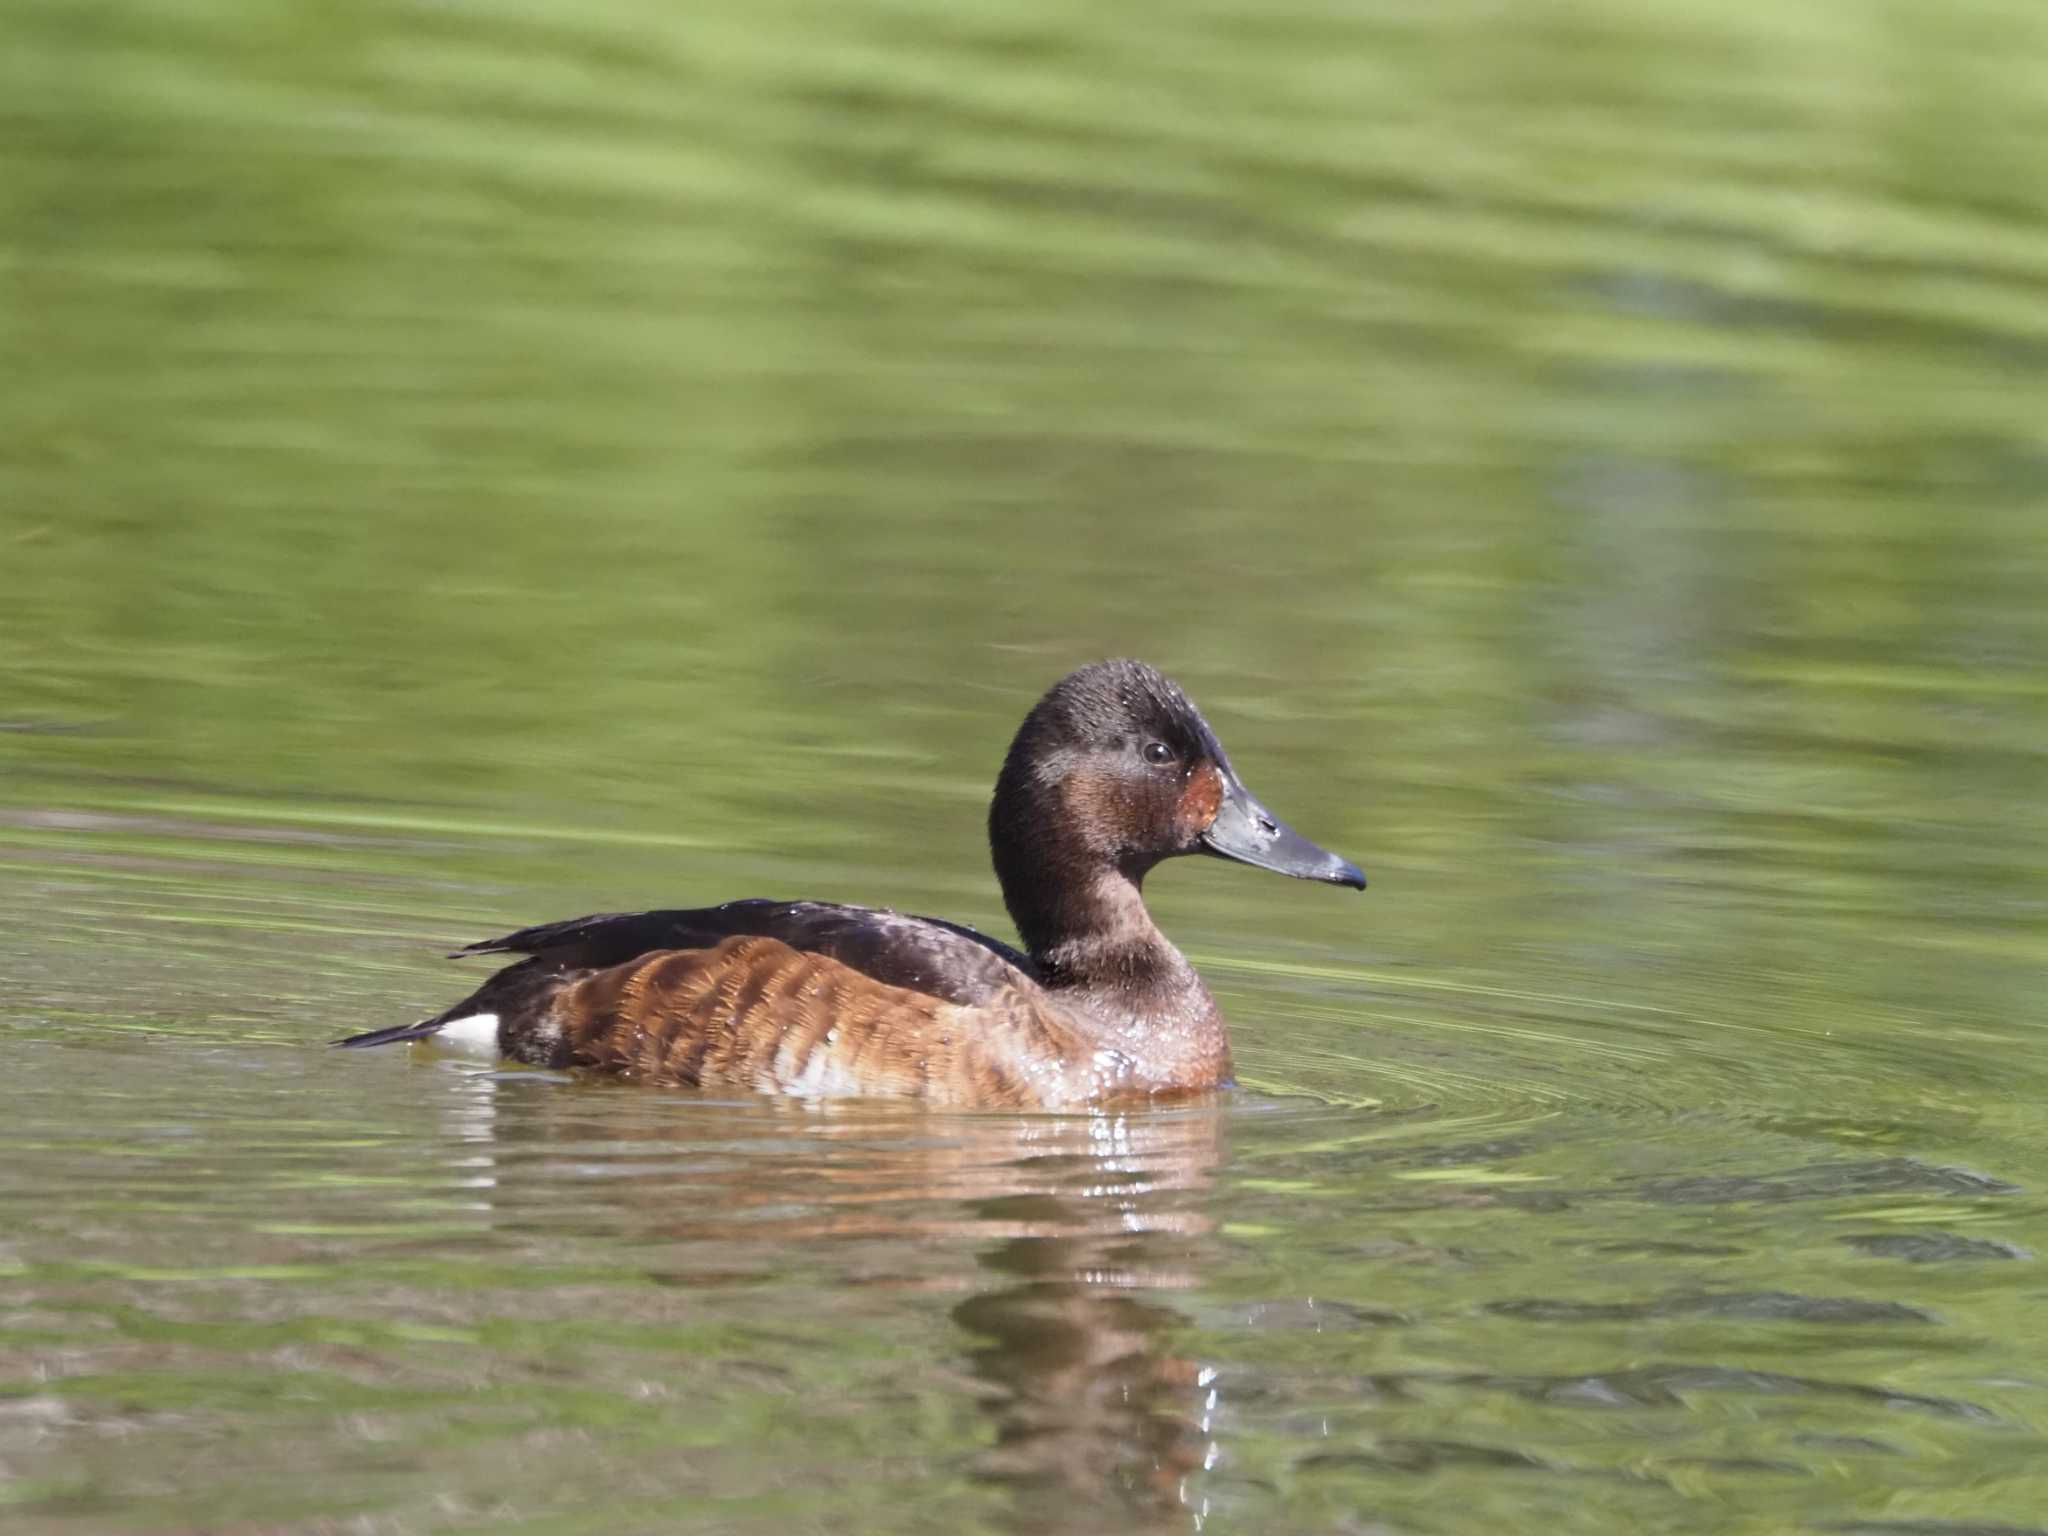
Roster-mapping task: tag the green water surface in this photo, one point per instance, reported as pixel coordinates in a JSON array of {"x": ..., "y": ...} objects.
[{"x": 465, "y": 464}]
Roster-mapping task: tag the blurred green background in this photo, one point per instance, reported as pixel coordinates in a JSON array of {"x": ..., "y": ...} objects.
[{"x": 464, "y": 464}]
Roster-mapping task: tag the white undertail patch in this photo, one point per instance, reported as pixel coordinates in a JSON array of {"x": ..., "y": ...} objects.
[{"x": 477, "y": 1034}]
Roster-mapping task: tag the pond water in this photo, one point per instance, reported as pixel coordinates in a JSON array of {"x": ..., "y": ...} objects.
[{"x": 470, "y": 464}]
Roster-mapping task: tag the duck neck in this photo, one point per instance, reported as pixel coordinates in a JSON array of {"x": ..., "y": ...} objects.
[
  {"x": 1096, "y": 933},
  {"x": 1076, "y": 900},
  {"x": 1099, "y": 952},
  {"x": 1089, "y": 933}
]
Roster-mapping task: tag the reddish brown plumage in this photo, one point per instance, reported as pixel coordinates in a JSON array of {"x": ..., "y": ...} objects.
[
  {"x": 1199, "y": 802},
  {"x": 754, "y": 1013}
]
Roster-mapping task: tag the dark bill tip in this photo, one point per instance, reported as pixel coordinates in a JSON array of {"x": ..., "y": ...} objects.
[{"x": 1246, "y": 831}]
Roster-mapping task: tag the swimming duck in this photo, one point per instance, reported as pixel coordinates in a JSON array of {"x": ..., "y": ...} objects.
[{"x": 1113, "y": 771}]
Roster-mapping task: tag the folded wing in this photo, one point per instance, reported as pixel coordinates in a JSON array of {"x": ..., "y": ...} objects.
[
  {"x": 926, "y": 954},
  {"x": 810, "y": 998}
]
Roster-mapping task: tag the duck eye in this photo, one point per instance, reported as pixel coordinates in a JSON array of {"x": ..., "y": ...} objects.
[{"x": 1158, "y": 753}]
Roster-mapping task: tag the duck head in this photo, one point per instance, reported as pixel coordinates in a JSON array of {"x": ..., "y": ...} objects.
[{"x": 1113, "y": 771}]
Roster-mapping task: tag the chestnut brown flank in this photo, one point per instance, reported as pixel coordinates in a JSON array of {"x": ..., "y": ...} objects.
[{"x": 753, "y": 1013}]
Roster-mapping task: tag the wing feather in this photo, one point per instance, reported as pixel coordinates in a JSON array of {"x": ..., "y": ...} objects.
[{"x": 927, "y": 954}]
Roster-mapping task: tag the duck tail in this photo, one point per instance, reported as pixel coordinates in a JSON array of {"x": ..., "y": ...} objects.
[
  {"x": 394, "y": 1033},
  {"x": 478, "y": 1002},
  {"x": 519, "y": 995}
]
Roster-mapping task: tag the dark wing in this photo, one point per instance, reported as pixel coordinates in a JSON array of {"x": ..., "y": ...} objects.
[{"x": 923, "y": 954}]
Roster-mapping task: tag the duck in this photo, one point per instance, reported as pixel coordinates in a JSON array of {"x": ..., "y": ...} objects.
[{"x": 1113, "y": 772}]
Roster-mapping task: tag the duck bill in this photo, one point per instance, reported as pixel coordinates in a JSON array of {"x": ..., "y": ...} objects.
[{"x": 1246, "y": 831}]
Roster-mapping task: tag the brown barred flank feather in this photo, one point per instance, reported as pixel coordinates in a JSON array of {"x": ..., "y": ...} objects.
[{"x": 753, "y": 1013}]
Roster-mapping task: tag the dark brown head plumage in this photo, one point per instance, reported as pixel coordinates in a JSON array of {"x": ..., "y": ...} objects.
[{"x": 1097, "y": 778}]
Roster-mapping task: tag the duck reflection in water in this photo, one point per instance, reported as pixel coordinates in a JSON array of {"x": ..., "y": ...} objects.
[
  {"x": 1087, "y": 1398},
  {"x": 1066, "y": 1233}
]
